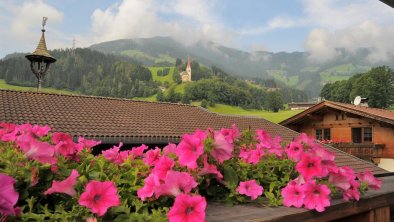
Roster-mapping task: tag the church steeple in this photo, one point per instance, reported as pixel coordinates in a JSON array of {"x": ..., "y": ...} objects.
[{"x": 189, "y": 69}]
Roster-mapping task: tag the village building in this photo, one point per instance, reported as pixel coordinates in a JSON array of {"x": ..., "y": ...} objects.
[
  {"x": 359, "y": 130},
  {"x": 186, "y": 76},
  {"x": 300, "y": 105}
]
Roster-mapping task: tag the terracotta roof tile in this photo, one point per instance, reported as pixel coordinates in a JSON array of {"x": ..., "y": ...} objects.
[{"x": 113, "y": 120}]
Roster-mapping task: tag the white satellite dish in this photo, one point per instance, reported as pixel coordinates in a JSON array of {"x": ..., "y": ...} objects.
[{"x": 357, "y": 100}]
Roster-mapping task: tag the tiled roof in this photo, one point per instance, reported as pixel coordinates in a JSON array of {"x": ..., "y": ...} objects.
[
  {"x": 113, "y": 120},
  {"x": 381, "y": 115}
]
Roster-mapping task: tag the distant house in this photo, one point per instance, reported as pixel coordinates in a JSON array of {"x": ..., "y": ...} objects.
[
  {"x": 362, "y": 131},
  {"x": 186, "y": 76},
  {"x": 300, "y": 105},
  {"x": 114, "y": 120}
]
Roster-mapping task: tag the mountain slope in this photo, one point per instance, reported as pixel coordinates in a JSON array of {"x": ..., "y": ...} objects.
[{"x": 292, "y": 69}]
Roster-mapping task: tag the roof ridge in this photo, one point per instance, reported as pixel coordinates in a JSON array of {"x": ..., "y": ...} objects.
[
  {"x": 362, "y": 107},
  {"x": 95, "y": 97}
]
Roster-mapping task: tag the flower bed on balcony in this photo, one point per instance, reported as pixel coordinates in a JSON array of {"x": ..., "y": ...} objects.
[{"x": 48, "y": 176}]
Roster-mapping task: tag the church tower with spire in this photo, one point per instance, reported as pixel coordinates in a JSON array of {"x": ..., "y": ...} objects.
[{"x": 186, "y": 76}]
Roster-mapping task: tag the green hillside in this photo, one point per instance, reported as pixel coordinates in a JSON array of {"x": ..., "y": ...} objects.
[
  {"x": 4, "y": 85},
  {"x": 162, "y": 79}
]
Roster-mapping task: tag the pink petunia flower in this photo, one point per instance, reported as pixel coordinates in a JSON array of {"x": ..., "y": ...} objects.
[
  {"x": 99, "y": 196},
  {"x": 37, "y": 150},
  {"x": 309, "y": 166},
  {"x": 64, "y": 144},
  {"x": 342, "y": 178},
  {"x": 317, "y": 196},
  {"x": 250, "y": 188},
  {"x": 352, "y": 193},
  {"x": 112, "y": 154},
  {"x": 40, "y": 131},
  {"x": 169, "y": 149},
  {"x": 209, "y": 169},
  {"x": 252, "y": 156},
  {"x": 8, "y": 132},
  {"x": 305, "y": 139},
  {"x": 150, "y": 183},
  {"x": 151, "y": 157},
  {"x": 275, "y": 146},
  {"x": 163, "y": 165},
  {"x": 293, "y": 194},
  {"x": 189, "y": 150},
  {"x": 176, "y": 183},
  {"x": 264, "y": 138},
  {"x": 295, "y": 151},
  {"x": 367, "y": 177},
  {"x": 88, "y": 144},
  {"x": 327, "y": 159},
  {"x": 230, "y": 134},
  {"x": 8, "y": 195},
  {"x": 66, "y": 186},
  {"x": 222, "y": 149},
  {"x": 138, "y": 151},
  {"x": 188, "y": 208}
]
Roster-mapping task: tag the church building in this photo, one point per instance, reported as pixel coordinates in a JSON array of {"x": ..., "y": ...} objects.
[{"x": 186, "y": 76}]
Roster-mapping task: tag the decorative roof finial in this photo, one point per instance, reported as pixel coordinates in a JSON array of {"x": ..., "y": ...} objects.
[{"x": 44, "y": 22}]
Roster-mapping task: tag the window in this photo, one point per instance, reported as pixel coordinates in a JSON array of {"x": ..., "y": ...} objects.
[
  {"x": 356, "y": 135},
  {"x": 360, "y": 135},
  {"x": 319, "y": 134},
  {"x": 327, "y": 134},
  {"x": 368, "y": 134}
]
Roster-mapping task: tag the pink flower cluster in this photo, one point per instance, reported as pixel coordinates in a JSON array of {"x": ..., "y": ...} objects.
[
  {"x": 314, "y": 164},
  {"x": 29, "y": 139}
]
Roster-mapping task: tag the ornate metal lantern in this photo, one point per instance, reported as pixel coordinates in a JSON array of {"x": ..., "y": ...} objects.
[{"x": 40, "y": 59}]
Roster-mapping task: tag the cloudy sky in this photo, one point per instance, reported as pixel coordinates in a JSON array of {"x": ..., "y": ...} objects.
[{"x": 317, "y": 26}]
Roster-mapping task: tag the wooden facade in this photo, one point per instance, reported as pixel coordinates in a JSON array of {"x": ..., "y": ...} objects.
[{"x": 360, "y": 131}]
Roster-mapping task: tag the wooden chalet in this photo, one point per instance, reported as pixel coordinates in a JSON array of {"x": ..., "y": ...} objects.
[{"x": 362, "y": 131}]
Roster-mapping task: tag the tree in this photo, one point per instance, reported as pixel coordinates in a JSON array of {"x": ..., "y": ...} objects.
[
  {"x": 275, "y": 101},
  {"x": 204, "y": 103},
  {"x": 160, "y": 96},
  {"x": 185, "y": 99},
  {"x": 176, "y": 77}
]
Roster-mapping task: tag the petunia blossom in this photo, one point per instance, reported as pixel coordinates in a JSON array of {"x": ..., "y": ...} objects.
[
  {"x": 188, "y": 208},
  {"x": 176, "y": 183},
  {"x": 163, "y": 165},
  {"x": 230, "y": 134},
  {"x": 305, "y": 139},
  {"x": 367, "y": 177},
  {"x": 264, "y": 138},
  {"x": 189, "y": 150},
  {"x": 99, "y": 196},
  {"x": 40, "y": 131},
  {"x": 352, "y": 193},
  {"x": 317, "y": 196},
  {"x": 8, "y": 132},
  {"x": 138, "y": 151},
  {"x": 37, "y": 150},
  {"x": 295, "y": 151},
  {"x": 341, "y": 179},
  {"x": 65, "y": 186},
  {"x": 112, "y": 154},
  {"x": 293, "y": 195},
  {"x": 250, "y": 188},
  {"x": 209, "y": 169},
  {"x": 309, "y": 166},
  {"x": 64, "y": 144},
  {"x": 251, "y": 155},
  {"x": 222, "y": 149},
  {"x": 169, "y": 149},
  {"x": 151, "y": 157},
  {"x": 88, "y": 144},
  {"x": 8, "y": 195},
  {"x": 150, "y": 183}
]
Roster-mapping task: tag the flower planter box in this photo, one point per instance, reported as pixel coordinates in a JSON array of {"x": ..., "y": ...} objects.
[{"x": 373, "y": 207}]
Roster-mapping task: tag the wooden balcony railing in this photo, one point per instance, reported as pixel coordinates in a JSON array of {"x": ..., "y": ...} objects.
[{"x": 365, "y": 151}]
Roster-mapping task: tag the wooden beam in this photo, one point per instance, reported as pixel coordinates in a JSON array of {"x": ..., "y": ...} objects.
[{"x": 315, "y": 117}]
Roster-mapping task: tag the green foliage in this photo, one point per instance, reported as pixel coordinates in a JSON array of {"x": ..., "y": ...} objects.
[
  {"x": 204, "y": 103},
  {"x": 377, "y": 85},
  {"x": 274, "y": 101}
]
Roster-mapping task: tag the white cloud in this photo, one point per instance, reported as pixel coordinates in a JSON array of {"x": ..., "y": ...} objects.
[
  {"x": 341, "y": 24},
  {"x": 195, "y": 20},
  {"x": 21, "y": 24}
]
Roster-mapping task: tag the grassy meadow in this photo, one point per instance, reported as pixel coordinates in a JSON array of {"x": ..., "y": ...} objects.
[{"x": 4, "y": 85}]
